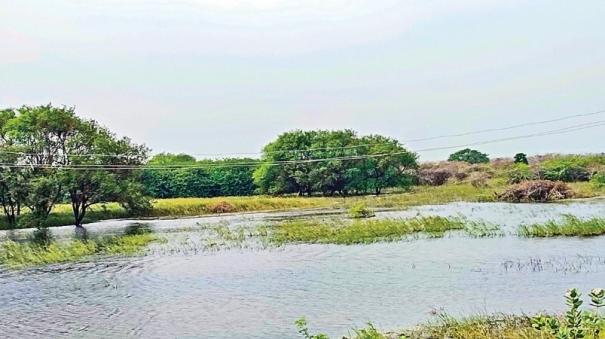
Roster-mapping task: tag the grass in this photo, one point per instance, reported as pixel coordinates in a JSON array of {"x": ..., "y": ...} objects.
[
  {"x": 569, "y": 226},
  {"x": 477, "y": 327},
  {"x": 369, "y": 231},
  {"x": 24, "y": 254},
  {"x": 499, "y": 326}
]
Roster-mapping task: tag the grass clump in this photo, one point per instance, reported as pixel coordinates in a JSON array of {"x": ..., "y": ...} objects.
[
  {"x": 360, "y": 231},
  {"x": 360, "y": 210},
  {"x": 569, "y": 226},
  {"x": 23, "y": 254}
]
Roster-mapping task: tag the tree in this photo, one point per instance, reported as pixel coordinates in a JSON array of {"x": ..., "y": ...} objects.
[
  {"x": 388, "y": 163},
  {"x": 42, "y": 134},
  {"x": 469, "y": 155},
  {"x": 521, "y": 158},
  {"x": 331, "y": 162},
  {"x": 100, "y": 168}
]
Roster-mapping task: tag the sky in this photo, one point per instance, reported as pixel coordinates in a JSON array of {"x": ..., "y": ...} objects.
[{"x": 226, "y": 76}]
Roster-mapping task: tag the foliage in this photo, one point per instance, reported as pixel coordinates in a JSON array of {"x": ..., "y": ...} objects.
[
  {"x": 205, "y": 178},
  {"x": 519, "y": 173},
  {"x": 598, "y": 180},
  {"x": 576, "y": 323},
  {"x": 520, "y": 158},
  {"x": 434, "y": 176},
  {"x": 569, "y": 226},
  {"x": 565, "y": 169},
  {"x": 536, "y": 191},
  {"x": 469, "y": 155},
  {"x": 360, "y": 210},
  {"x": 356, "y": 165},
  {"x": 303, "y": 330},
  {"x": 53, "y": 154},
  {"x": 18, "y": 255},
  {"x": 367, "y": 231}
]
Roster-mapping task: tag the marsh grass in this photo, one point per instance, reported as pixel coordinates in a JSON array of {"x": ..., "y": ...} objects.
[
  {"x": 24, "y": 254},
  {"x": 369, "y": 231},
  {"x": 569, "y": 226}
]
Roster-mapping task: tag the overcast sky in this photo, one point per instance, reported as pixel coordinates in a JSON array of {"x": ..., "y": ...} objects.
[{"x": 222, "y": 76}]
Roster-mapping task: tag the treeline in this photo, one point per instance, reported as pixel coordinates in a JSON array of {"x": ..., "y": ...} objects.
[
  {"x": 292, "y": 164},
  {"x": 206, "y": 178}
]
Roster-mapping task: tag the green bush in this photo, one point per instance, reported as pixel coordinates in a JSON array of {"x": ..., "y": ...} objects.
[
  {"x": 568, "y": 169},
  {"x": 598, "y": 180},
  {"x": 576, "y": 323},
  {"x": 521, "y": 172}
]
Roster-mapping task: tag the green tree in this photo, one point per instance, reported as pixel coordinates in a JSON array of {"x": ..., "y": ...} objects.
[
  {"x": 521, "y": 158},
  {"x": 469, "y": 155},
  {"x": 101, "y": 168},
  {"x": 388, "y": 163}
]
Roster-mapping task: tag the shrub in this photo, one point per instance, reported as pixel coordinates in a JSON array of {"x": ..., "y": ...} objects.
[
  {"x": 521, "y": 158},
  {"x": 469, "y": 155},
  {"x": 360, "y": 210},
  {"x": 576, "y": 323},
  {"x": 519, "y": 173},
  {"x": 598, "y": 180},
  {"x": 536, "y": 191},
  {"x": 565, "y": 173}
]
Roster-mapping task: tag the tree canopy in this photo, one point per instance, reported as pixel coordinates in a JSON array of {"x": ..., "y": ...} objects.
[
  {"x": 469, "y": 155},
  {"x": 330, "y": 162}
]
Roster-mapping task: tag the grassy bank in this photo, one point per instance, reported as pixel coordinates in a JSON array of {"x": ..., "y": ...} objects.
[
  {"x": 569, "y": 226},
  {"x": 24, "y": 254},
  {"x": 346, "y": 232},
  {"x": 183, "y": 207}
]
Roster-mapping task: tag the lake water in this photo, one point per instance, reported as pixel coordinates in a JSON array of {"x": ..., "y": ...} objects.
[{"x": 185, "y": 289}]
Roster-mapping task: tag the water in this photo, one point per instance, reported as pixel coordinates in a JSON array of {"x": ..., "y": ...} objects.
[{"x": 259, "y": 293}]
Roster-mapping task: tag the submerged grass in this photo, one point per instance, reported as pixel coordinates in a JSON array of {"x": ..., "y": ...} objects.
[
  {"x": 569, "y": 226},
  {"x": 370, "y": 231},
  {"x": 23, "y": 254}
]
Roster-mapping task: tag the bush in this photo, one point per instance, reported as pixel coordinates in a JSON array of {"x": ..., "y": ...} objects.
[
  {"x": 565, "y": 173},
  {"x": 360, "y": 210},
  {"x": 598, "y": 180},
  {"x": 519, "y": 173},
  {"x": 469, "y": 155},
  {"x": 536, "y": 191}
]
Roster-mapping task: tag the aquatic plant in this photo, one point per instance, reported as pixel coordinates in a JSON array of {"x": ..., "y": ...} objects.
[
  {"x": 569, "y": 226},
  {"x": 576, "y": 323},
  {"x": 360, "y": 231},
  {"x": 22, "y": 254}
]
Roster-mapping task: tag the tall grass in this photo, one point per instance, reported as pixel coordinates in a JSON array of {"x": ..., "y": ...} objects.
[
  {"x": 23, "y": 254},
  {"x": 569, "y": 226},
  {"x": 370, "y": 231}
]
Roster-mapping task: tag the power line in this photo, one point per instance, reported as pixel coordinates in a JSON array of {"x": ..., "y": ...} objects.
[
  {"x": 219, "y": 155},
  {"x": 568, "y": 129}
]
